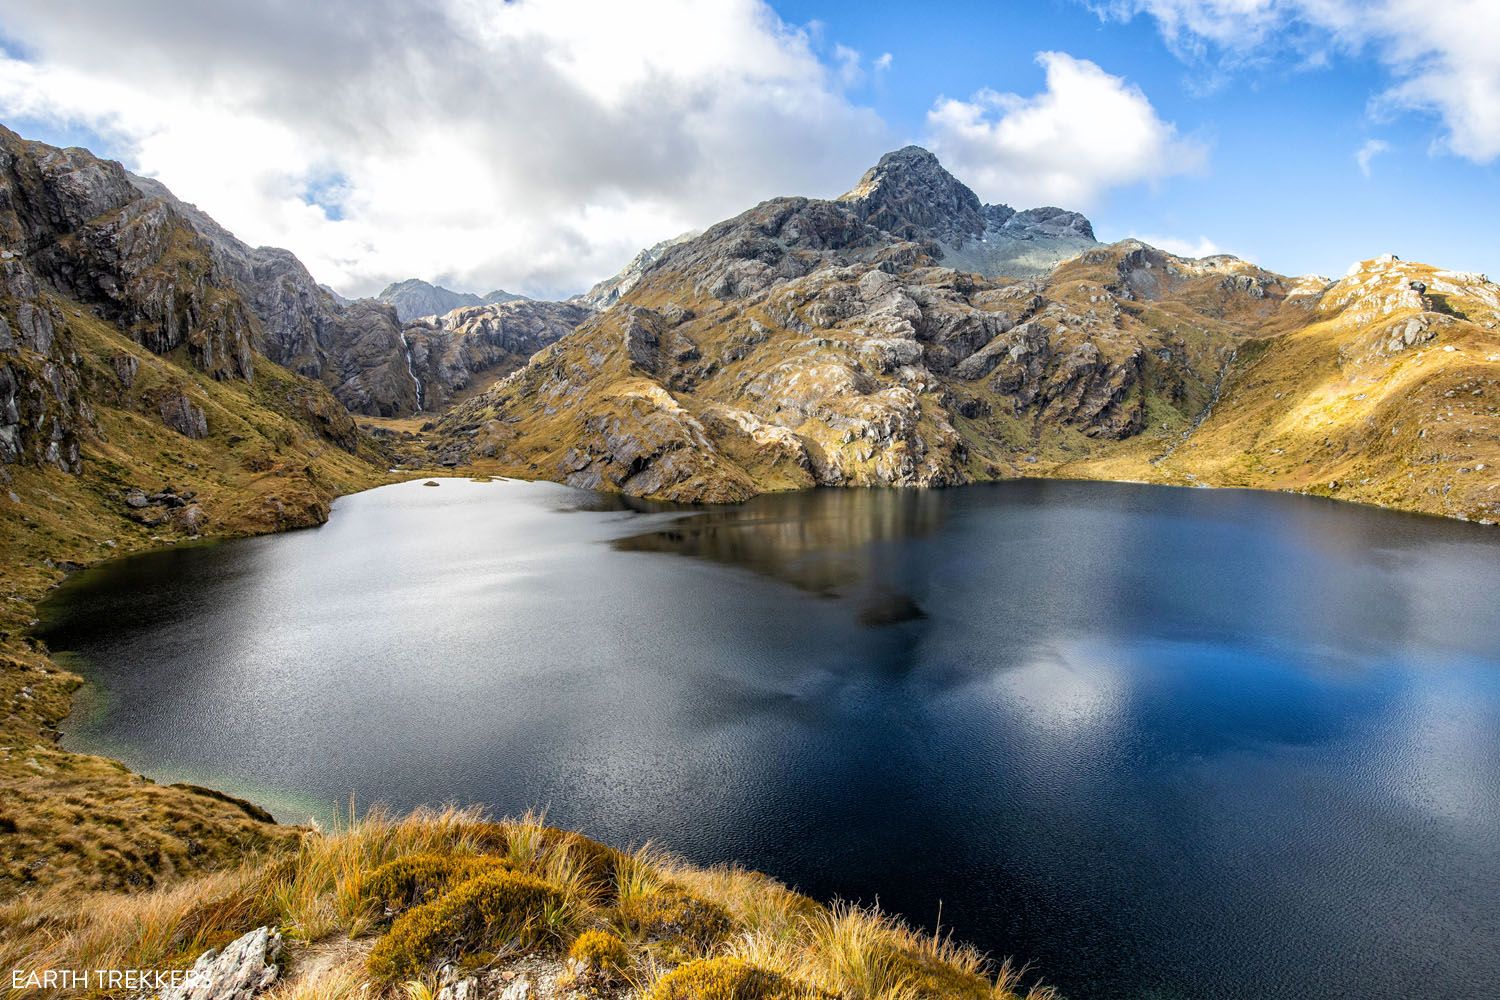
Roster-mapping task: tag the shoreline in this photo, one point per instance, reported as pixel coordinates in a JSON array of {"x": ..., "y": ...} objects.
[
  {"x": 23, "y": 651},
  {"x": 275, "y": 803}
]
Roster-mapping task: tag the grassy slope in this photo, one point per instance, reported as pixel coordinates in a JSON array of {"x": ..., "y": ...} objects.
[
  {"x": 71, "y": 819},
  {"x": 1324, "y": 410},
  {"x": 330, "y": 896}
]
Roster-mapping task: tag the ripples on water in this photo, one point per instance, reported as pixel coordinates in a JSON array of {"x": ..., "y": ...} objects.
[{"x": 1160, "y": 743}]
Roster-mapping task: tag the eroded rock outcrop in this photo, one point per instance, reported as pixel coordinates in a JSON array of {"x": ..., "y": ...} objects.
[
  {"x": 243, "y": 969},
  {"x": 89, "y": 253}
]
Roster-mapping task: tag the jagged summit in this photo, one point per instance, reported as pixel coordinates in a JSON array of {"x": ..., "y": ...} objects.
[{"x": 910, "y": 194}]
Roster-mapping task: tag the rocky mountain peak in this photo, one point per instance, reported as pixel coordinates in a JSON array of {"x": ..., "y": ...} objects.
[{"x": 910, "y": 194}]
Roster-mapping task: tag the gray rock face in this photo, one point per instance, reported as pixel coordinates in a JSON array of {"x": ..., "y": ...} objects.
[
  {"x": 414, "y": 299},
  {"x": 125, "y": 366},
  {"x": 352, "y": 347},
  {"x": 909, "y": 194},
  {"x": 82, "y": 241},
  {"x": 448, "y": 352},
  {"x": 607, "y": 292},
  {"x": 244, "y": 969},
  {"x": 43, "y": 413},
  {"x": 78, "y": 223},
  {"x": 183, "y": 416}
]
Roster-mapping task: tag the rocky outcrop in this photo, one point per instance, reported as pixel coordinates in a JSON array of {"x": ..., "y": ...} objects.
[
  {"x": 89, "y": 253},
  {"x": 910, "y": 195},
  {"x": 76, "y": 223},
  {"x": 244, "y": 969},
  {"x": 43, "y": 415},
  {"x": 182, "y": 415},
  {"x": 353, "y": 347}
]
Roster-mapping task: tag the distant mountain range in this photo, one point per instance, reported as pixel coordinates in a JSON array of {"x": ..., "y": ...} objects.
[{"x": 415, "y": 298}]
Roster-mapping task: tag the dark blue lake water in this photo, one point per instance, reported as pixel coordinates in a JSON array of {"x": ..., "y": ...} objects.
[{"x": 1159, "y": 743}]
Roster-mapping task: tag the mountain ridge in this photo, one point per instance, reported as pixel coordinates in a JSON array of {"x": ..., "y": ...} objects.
[
  {"x": 414, "y": 298},
  {"x": 807, "y": 342}
]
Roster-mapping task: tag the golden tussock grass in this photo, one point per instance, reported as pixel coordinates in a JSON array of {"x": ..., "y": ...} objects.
[{"x": 517, "y": 887}]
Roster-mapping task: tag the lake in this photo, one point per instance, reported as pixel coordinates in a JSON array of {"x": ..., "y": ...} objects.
[{"x": 1160, "y": 743}]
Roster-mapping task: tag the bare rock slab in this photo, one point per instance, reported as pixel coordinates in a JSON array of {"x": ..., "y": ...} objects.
[{"x": 243, "y": 969}]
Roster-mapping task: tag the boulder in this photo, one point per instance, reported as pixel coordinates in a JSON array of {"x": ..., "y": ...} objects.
[
  {"x": 126, "y": 366},
  {"x": 189, "y": 519}
]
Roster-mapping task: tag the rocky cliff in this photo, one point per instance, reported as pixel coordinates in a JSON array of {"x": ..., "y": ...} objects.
[
  {"x": 113, "y": 299},
  {"x": 909, "y": 194},
  {"x": 453, "y": 352},
  {"x": 352, "y": 347}
]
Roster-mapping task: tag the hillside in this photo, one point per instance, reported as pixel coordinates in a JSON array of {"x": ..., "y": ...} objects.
[{"x": 136, "y": 410}]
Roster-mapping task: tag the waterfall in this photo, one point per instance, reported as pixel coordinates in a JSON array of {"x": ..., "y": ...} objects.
[{"x": 410, "y": 370}]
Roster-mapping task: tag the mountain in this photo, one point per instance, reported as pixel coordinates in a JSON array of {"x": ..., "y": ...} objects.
[
  {"x": 910, "y": 195},
  {"x": 415, "y": 299},
  {"x": 359, "y": 348},
  {"x": 116, "y": 302},
  {"x": 906, "y": 334},
  {"x": 352, "y": 347},
  {"x": 450, "y": 353}
]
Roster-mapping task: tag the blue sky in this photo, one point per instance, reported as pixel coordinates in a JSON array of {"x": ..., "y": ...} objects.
[
  {"x": 536, "y": 145},
  {"x": 1281, "y": 184}
]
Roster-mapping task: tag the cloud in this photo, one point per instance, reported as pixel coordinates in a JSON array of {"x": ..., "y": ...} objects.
[
  {"x": 883, "y": 62},
  {"x": 1202, "y": 247},
  {"x": 1087, "y": 132},
  {"x": 850, "y": 72},
  {"x": 532, "y": 145},
  {"x": 1443, "y": 56},
  {"x": 1371, "y": 149}
]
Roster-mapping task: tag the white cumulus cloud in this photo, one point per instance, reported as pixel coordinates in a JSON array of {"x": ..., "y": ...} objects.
[
  {"x": 1443, "y": 56},
  {"x": 533, "y": 145},
  {"x": 1086, "y": 132}
]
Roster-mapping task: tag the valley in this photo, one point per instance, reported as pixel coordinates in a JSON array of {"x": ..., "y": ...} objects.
[{"x": 163, "y": 384}]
